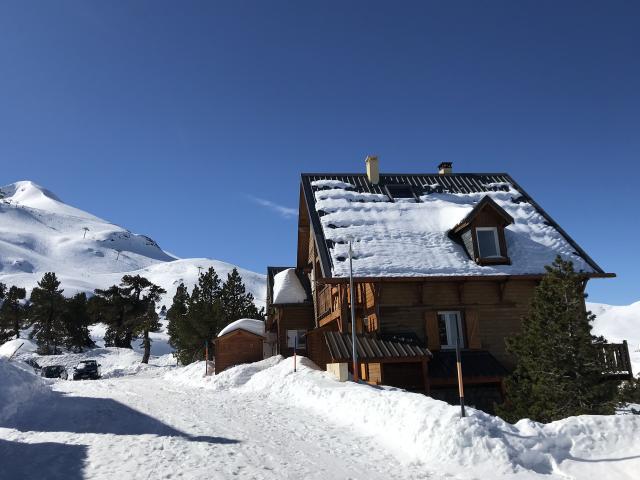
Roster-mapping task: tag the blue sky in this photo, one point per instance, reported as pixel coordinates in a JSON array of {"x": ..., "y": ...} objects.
[{"x": 191, "y": 121}]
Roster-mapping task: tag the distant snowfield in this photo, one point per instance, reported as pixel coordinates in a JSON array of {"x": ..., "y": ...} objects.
[
  {"x": 618, "y": 323},
  {"x": 263, "y": 421},
  {"x": 40, "y": 233}
]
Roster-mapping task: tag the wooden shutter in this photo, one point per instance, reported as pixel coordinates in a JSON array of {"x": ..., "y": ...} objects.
[
  {"x": 473, "y": 328},
  {"x": 433, "y": 336}
]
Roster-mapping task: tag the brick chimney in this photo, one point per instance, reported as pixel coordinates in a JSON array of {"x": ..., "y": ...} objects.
[
  {"x": 445, "y": 168},
  {"x": 373, "y": 169}
]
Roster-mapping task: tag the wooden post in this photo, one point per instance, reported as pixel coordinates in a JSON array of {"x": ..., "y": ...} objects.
[
  {"x": 206, "y": 358},
  {"x": 459, "y": 368},
  {"x": 295, "y": 349},
  {"x": 425, "y": 376}
]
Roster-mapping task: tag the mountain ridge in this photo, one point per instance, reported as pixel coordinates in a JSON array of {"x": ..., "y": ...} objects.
[{"x": 39, "y": 233}]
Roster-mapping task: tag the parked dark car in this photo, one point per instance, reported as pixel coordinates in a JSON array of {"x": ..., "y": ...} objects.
[
  {"x": 87, "y": 370},
  {"x": 33, "y": 364},
  {"x": 54, "y": 371}
]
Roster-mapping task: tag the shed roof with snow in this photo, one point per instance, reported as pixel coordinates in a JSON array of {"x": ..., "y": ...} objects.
[
  {"x": 247, "y": 324},
  {"x": 405, "y": 225}
]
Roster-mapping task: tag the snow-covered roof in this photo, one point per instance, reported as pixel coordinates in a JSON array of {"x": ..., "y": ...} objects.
[
  {"x": 409, "y": 237},
  {"x": 287, "y": 287},
  {"x": 248, "y": 324}
]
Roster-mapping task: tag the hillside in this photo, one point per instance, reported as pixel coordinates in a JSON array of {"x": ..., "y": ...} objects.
[
  {"x": 618, "y": 323},
  {"x": 41, "y": 233}
]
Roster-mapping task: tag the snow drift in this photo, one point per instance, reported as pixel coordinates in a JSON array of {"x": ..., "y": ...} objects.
[
  {"x": 419, "y": 428},
  {"x": 19, "y": 389}
]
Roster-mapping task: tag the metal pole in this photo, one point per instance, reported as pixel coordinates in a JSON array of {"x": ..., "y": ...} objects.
[
  {"x": 354, "y": 351},
  {"x": 295, "y": 349},
  {"x": 459, "y": 368}
]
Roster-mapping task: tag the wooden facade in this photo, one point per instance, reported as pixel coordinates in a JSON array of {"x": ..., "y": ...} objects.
[
  {"x": 487, "y": 308},
  {"x": 237, "y": 347}
]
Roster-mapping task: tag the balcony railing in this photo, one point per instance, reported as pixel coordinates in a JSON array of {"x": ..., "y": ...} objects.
[{"x": 616, "y": 361}]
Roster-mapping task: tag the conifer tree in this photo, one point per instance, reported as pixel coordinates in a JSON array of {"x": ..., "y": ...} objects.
[
  {"x": 236, "y": 302},
  {"x": 12, "y": 312},
  {"x": 76, "y": 322},
  {"x": 558, "y": 367},
  {"x": 110, "y": 307},
  {"x": 148, "y": 320},
  {"x": 45, "y": 314},
  {"x": 178, "y": 327},
  {"x": 5, "y": 333}
]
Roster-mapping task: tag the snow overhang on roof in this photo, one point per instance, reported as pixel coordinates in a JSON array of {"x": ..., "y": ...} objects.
[
  {"x": 247, "y": 324},
  {"x": 410, "y": 237}
]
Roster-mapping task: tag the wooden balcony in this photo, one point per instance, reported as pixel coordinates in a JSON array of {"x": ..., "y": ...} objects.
[{"x": 616, "y": 361}]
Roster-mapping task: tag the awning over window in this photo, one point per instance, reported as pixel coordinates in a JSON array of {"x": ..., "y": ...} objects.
[{"x": 371, "y": 349}]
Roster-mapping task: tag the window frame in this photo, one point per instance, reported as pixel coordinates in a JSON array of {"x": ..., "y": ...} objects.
[
  {"x": 496, "y": 239},
  {"x": 448, "y": 326}
]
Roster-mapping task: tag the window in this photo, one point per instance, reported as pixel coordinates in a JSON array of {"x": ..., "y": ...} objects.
[
  {"x": 297, "y": 339},
  {"x": 449, "y": 328},
  {"x": 488, "y": 244},
  {"x": 401, "y": 192}
]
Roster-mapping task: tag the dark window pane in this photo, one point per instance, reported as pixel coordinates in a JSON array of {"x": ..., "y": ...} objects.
[
  {"x": 442, "y": 329},
  {"x": 487, "y": 243}
]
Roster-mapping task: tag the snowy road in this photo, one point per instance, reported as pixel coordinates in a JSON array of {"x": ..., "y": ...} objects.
[{"x": 143, "y": 427}]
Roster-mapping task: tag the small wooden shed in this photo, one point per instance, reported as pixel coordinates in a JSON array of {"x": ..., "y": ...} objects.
[{"x": 239, "y": 342}]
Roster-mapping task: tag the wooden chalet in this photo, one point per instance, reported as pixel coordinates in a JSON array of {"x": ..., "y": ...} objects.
[{"x": 437, "y": 258}]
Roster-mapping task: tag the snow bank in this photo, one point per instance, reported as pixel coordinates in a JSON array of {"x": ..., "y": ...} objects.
[
  {"x": 18, "y": 345},
  {"x": 248, "y": 324},
  {"x": 618, "y": 323},
  {"x": 419, "y": 428},
  {"x": 18, "y": 389},
  {"x": 287, "y": 287}
]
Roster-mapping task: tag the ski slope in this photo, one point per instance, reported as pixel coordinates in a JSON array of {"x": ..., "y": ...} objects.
[{"x": 40, "y": 233}]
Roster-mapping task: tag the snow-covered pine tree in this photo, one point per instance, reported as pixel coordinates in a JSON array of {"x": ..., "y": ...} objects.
[
  {"x": 45, "y": 314},
  {"x": 558, "y": 368}
]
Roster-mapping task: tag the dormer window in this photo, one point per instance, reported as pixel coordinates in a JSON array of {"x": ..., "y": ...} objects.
[
  {"x": 488, "y": 242},
  {"x": 481, "y": 233}
]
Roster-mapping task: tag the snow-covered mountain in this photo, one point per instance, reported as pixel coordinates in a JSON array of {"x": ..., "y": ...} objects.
[
  {"x": 40, "y": 233},
  {"x": 618, "y": 323}
]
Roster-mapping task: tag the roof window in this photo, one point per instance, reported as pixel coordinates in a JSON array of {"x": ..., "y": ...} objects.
[{"x": 401, "y": 192}]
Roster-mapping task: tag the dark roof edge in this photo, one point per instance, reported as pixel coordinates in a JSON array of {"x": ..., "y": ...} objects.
[
  {"x": 547, "y": 217},
  {"x": 434, "y": 174},
  {"x": 461, "y": 278},
  {"x": 321, "y": 245}
]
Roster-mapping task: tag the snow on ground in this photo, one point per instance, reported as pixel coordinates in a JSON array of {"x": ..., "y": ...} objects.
[
  {"x": 263, "y": 421},
  {"x": 618, "y": 323},
  {"x": 421, "y": 430},
  {"x": 287, "y": 287},
  {"x": 408, "y": 238},
  {"x": 40, "y": 234},
  {"x": 248, "y": 324}
]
